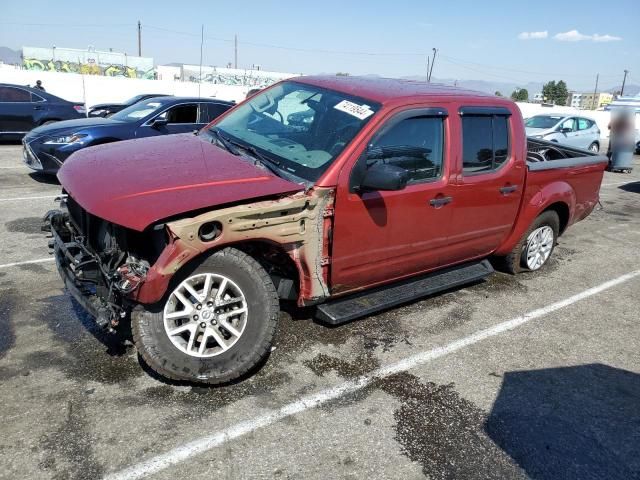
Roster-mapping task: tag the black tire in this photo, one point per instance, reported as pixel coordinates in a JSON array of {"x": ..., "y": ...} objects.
[
  {"x": 251, "y": 348},
  {"x": 592, "y": 149},
  {"x": 513, "y": 263}
]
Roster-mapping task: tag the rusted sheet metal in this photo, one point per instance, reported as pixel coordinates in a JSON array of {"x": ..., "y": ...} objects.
[{"x": 296, "y": 223}]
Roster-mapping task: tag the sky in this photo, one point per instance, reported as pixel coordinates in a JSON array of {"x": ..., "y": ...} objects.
[{"x": 500, "y": 41}]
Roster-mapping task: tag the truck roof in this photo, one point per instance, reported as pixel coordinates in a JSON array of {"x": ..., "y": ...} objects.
[{"x": 384, "y": 90}]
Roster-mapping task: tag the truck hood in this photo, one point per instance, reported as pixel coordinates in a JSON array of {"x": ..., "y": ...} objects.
[{"x": 137, "y": 183}]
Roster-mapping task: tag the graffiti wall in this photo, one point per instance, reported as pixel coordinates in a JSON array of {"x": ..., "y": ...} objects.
[
  {"x": 232, "y": 76},
  {"x": 89, "y": 62}
]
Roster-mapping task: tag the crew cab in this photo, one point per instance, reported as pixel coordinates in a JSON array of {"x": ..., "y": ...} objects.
[{"x": 349, "y": 194}]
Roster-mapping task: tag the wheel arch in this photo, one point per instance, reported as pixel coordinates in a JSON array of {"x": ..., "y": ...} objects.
[{"x": 558, "y": 196}]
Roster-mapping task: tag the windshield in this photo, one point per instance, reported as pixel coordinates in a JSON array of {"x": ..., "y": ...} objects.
[
  {"x": 543, "y": 121},
  {"x": 135, "y": 99},
  {"x": 301, "y": 128},
  {"x": 137, "y": 111}
]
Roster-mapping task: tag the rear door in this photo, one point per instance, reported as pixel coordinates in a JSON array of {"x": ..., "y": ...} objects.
[
  {"x": 16, "y": 110},
  {"x": 487, "y": 194},
  {"x": 588, "y": 132},
  {"x": 385, "y": 235}
]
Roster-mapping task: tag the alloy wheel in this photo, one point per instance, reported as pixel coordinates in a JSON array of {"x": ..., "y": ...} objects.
[{"x": 205, "y": 315}]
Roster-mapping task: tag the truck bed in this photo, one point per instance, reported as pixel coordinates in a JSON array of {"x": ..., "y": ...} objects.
[{"x": 544, "y": 155}]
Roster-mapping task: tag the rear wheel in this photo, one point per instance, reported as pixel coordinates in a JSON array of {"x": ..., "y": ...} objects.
[
  {"x": 215, "y": 325},
  {"x": 594, "y": 147},
  {"x": 535, "y": 247}
]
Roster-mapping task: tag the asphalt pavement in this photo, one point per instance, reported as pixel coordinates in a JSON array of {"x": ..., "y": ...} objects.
[{"x": 532, "y": 376}]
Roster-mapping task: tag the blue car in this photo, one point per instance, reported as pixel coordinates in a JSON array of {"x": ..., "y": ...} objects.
[
  {"x": 47, "y": 147},
  {"x": 23, "y": 108}
]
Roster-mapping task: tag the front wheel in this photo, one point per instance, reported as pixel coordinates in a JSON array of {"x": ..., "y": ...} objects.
[
  {"x": 594, "y": 147},
  {"x": 215, "y": 325},
  {"x": 535, "y": 247}
]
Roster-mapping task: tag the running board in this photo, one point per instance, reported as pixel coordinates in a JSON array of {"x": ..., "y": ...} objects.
[{"x": 361, "y": 304}]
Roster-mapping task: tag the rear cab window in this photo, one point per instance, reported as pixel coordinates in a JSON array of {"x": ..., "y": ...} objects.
[{"x": 485, "y": 139}]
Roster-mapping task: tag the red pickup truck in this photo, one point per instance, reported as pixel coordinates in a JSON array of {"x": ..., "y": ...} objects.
[{"x": 347, "y": 193}]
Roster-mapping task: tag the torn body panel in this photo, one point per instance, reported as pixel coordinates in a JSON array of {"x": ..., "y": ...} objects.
[{"x": 299, "y": 224}]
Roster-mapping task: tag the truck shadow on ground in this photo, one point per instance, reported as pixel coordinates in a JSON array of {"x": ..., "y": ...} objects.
[
  {"x": 633, "y": 187},
  {"x": 578, "y": 422}
]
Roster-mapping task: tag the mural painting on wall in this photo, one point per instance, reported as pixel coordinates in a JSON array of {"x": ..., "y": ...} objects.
[
  {"x": 68, "y": 60},
  {"x": 224, "y": 76}
]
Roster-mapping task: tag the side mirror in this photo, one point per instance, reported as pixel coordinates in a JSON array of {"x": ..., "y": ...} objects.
[
  {"x": 384, "y": 176},
  {"x": 566, "y": 130},
  {"x": 158, "y": 122}
]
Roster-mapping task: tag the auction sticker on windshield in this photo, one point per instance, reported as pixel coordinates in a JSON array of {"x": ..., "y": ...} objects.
[{"x": 355, "y": 110}]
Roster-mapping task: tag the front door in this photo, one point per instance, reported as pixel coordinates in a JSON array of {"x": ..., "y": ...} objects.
[
  {"x": 181, "y": 118},
  {"x": 568, "y": 133},
  {"x": 384, "y": 235}
]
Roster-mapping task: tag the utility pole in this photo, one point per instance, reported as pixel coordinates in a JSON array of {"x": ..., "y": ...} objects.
[
  {"x": 433, "y": 62},
  {"x": 427, "y": 68},
  {"x": 235, "y": 51},
  {"x": 624, "y": 80},
  {"x": 201, "y": 45},
  {"x": 139, "y": 39},
  {"x": 595, "y": 92}
]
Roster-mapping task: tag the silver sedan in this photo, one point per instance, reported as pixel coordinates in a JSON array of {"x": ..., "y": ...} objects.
[{"x": 580, "y": 132}]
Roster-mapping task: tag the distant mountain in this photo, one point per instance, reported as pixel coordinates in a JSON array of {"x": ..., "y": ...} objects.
[
  {"x": 630, "y": 89},
  {"x": 485, "y": 86},
  {"x": 9, "y": 56}
]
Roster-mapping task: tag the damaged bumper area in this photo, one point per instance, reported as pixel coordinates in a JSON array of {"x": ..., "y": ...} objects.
[
  {"x": 109, "y": 269},
  {"x": 100, "y": 280}
]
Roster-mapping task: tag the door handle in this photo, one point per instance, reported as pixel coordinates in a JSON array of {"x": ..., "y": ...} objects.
[
  {"x": 440, "y": 201},
  {"x": 507, "y": 189},
  {"x": 37, "y": 107}
]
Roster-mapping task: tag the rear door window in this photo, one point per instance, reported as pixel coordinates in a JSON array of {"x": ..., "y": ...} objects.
[
  {"x": 485, "y": 143},
  {"x": 584, "y": 124},
  {"x": 211, "y": 111},
  {"x": 11, "y": 94}
]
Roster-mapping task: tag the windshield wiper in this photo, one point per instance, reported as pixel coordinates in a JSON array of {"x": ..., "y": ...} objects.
[
  {"x": 260, "y": 159},
  {"x": 223, "y": 141}
]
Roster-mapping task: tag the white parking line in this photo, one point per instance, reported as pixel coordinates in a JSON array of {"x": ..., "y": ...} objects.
[
  {"x": 215, "y": 439},
  {"x": 17, "y": 166},
  {"x": 12, "y": 199},
  {"x": 27, "y": 262}
]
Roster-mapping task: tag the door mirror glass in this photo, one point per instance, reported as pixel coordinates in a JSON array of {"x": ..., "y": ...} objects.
[
  {"x": 158, "y": 122},
  {"x": 384, "y": 176}
]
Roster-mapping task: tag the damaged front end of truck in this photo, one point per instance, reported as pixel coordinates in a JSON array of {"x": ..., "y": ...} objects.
[{"x": 109, "y": 269}]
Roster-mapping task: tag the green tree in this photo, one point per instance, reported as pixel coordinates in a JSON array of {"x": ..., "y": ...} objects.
[
  {"x": 498, "y": 94},
  {"x": 562, "y": 93},
  {"x": 555, "y": 93},
  {"x": 520, "y": 95}
]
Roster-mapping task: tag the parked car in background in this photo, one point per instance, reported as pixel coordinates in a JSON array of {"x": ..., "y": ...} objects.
[
  {"x": 47, "y": 147},
  {"x": 579, "y": 132},
  {"x": 389, "y": 191},
  {"x": 108, "y": 109},
  {"x": 23, "y": 108}
]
